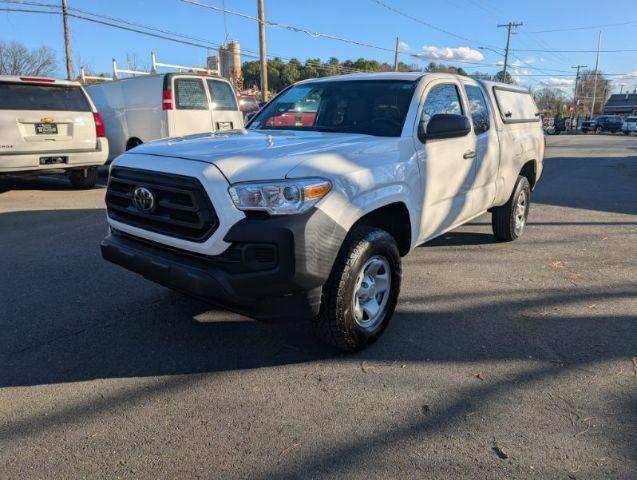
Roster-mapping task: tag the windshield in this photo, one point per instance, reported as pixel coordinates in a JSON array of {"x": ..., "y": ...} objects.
[
  {"x": 24, "y": 96},
  {"x": 372, "y": 107}
]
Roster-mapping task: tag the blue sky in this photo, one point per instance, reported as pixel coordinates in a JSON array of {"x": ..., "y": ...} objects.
[{"x": 362, "y": 20}]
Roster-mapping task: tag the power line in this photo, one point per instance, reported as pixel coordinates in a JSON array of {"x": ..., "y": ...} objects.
[
  {"x": 290, "y": 27},
  {"x": 427, "y": 24},
  {"x": 575, "y": 51},
  {"x": 206, "y": 45},
  {"x": 589, "y": 27}
]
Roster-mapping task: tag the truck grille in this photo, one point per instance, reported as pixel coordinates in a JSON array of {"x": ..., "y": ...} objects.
[{"x": 181, "y": 207}]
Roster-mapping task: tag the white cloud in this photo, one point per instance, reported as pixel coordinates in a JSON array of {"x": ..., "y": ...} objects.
[
  {"x": 403, "y": 46},
  {"x": 520, "y": 63},
  {"x": 556, "y": 82},
  {"x": 450, "y": 54}
]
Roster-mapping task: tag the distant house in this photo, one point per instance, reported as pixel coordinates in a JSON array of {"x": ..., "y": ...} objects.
[{"x": 621, "y": 104}]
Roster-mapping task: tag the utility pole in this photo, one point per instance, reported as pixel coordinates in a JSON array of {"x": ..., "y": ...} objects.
[
  {"x": 577, "y": 83},
  {"x": 508, "y": 26},
  {"x": 262, "y": 54},
  {"x": 599, "y": 43},
  {"x": 67, "y": 40},
  {"x": 396, "y": 55}
]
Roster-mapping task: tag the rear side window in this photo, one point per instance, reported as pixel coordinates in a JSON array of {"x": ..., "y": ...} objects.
[
  {"x": 515, "y": 106},
  {"x": 478, "y": 109},
  {"x": 222, "y": 96},
  {"x": 24, "y": 96},
  {"x": 190, "y": 94},
  {"x": 443, "y": 98}
]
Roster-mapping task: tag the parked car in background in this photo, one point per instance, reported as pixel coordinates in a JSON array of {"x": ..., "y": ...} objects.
[
  {"x": 557, "y": 126},
  {"x": 603, "y": 123},
  {"x": 50, "y": 126},
  {"x": 310, "y": 219},
  {"x": 139, "y": 109},
  {"x": 247, "y": 105},
  {"x": 630, "y": 125}
]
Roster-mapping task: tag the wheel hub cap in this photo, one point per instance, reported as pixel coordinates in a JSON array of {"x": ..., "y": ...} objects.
[
  {"x": 372, "y": 292},
  {"x": 520, "y": 211}
]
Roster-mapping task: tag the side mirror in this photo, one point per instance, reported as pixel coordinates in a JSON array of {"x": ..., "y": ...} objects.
[{"x": 444, "y": 125}]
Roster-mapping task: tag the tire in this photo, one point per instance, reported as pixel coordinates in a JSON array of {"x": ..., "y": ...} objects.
[
  {"x": 509, "y": 220},
  {"x": 598, "y": 130},
  {"x": 132, "y": 143},
  {"x": 86, "y": 178},
  {"x": 345, "y": 320}
]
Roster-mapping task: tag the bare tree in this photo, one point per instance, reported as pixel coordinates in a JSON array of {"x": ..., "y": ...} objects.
[
  {"x": 551, "y": 101},
  {"x": 133, "y": 62},
  {"x": 585, "y": 88},
  {"x": 16, "y": 59}
]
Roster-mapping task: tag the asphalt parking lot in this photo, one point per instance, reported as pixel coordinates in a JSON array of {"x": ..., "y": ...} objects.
[{"x": 502, "y": 361}]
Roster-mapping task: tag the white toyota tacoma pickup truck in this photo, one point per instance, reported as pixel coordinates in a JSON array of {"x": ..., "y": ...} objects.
[{"x": 308, "y": 212}]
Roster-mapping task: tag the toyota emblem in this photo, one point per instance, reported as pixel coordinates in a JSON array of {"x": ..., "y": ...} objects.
[{"x": 143, "y": 200}]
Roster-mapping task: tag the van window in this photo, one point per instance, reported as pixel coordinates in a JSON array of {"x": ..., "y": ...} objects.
[
  {"x": 443, "y": 98},
  {"x": 24, "y": 96},
  {"x": 478, "y": 109},
  {"x": 190, "y": 94},
  {"x": 222, "y": 95},
  {"x": 515, "y": 106}
]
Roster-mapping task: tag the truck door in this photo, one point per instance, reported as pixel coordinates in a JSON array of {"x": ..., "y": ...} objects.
[
  {"x": 487, "y": 148},
  {"x": 192, "y": 108},
  {"x": 446, "y": 164},
  {"x": 224, "y": 109}
]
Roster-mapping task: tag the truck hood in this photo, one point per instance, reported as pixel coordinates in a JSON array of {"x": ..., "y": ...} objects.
[{"x": 257, "y": 155}]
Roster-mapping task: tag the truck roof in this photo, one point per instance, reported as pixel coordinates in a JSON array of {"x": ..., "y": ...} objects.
[
  {"x": 33, "y": 79},
  {"x": 413, "y": 76}
]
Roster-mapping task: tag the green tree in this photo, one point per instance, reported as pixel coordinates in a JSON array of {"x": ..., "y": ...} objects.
[{"x": 504, "y": 77}]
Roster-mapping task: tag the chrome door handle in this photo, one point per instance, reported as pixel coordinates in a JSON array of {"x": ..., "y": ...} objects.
[{"x": 469, "y": 154}]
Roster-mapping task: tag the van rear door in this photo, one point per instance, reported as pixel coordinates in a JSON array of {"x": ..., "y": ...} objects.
[
  {"x": 44, "y": 116},
  {"x": 192, "y": 107},
  {"x": 225, "y": 110}
]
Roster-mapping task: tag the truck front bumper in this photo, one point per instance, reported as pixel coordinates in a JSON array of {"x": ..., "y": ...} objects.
[{"x": 274, "y": 269}]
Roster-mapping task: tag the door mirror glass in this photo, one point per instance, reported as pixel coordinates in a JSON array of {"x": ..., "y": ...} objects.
[{"x": 444, "y": 125}]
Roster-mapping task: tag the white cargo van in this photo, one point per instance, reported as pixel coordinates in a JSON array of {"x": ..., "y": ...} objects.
[
  {"x": 139, "y": 109},
  {"x": 50, "y": 126}
]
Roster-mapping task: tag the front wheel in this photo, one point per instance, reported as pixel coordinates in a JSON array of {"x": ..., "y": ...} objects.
[
  {"x": 86, "y": 178},
  {"x": 360, "y": 295},
  {"x": 509, "y": 220}
]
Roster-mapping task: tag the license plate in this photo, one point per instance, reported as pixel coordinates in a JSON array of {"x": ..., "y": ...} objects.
[
  {"x": 46, "y": 128},
  {"x": 53, "y": 160},
  {"x": 224, "y": 125}
]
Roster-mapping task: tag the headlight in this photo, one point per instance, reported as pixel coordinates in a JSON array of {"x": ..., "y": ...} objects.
[{"x": 283, "y": 197}]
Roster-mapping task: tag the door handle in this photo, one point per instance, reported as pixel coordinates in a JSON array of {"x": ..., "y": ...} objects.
[{"x": 469, "y": 154}]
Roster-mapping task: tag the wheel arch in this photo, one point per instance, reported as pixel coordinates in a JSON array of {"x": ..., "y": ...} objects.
[
  {"x": 394, "y": 218},
  {"x": 132, "y": 142}
]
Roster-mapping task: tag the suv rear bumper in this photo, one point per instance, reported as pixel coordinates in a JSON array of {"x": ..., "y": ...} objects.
[
  {"x": 27, "y": 162},
  {"x": 305, "y": 245}
]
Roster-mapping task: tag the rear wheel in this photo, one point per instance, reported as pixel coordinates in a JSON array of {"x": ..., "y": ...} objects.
[
  {"x": 509, "y": 220},
  {"x": 598, "y": 130},
  {"x": 86, "y": 178},
  {"x": 360, "y": 295}
]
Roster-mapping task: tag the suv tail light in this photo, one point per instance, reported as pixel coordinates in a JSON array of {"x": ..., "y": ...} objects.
[
  {"x": 99, "y": 125},
  {"x": 167, "y": 99}
]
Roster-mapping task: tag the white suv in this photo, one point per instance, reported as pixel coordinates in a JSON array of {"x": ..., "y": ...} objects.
[{"x": 51, "y": 126}]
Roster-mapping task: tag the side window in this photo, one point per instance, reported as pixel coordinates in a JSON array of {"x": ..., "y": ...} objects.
[
  {"x": 478, "y": 109},
  {"x": 222, "y": 95},
  {"x": 190, "y": 94},
  {"x": 443, "y": 98}
]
